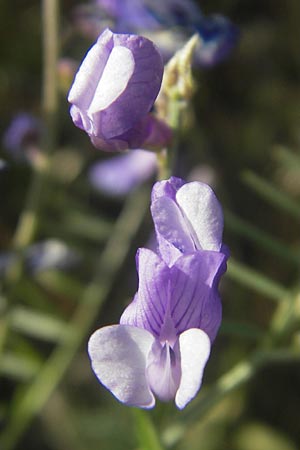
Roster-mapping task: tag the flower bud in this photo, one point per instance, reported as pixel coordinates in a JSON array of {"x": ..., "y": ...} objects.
[{"x": 115, "y": 89}]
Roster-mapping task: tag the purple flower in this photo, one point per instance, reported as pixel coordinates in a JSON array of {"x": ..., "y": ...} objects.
[
  {"x": 120, "y": 174},
  {"x": 23, "y": 132},
  {"x": 150, "y": 15},
  {"x": 187, "y": 217},
  {"x": 172, "y": 22},
  {"x": 115, "y": 89},
  {"x": 218, "y": 38},
  {"x": 129, "y": 14},
  {"x": 164, "y": 338}
]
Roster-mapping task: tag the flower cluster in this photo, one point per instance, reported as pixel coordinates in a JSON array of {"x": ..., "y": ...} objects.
[{"x": 163, "y": 341}]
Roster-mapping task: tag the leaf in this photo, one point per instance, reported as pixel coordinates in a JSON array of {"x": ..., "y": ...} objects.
[
  {"x": 38, "y": 325},
  {"x": 272, "y": 194},
  {"x": 256, "y": 281},
  {"x": 18, "y": 367},
  {"x": 254, "y": 234}
]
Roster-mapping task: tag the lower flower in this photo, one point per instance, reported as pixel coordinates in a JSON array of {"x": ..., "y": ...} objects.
[{"x": 162, "y": 344}]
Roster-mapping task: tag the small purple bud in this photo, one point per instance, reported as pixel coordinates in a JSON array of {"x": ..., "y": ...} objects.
[
  {"x": 115, "y": 89},
  {"x": 23, "y": 132}
]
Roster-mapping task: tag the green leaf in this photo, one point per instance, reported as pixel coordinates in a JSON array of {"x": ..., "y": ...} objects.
[
  {"x": 244, "y": 330},
  {"x": 287, "y": 158},
  {"x": 254, "y": 234},
  {"x": 38, "y": 325},
  {"x": 256, "y": 281},
  {"x": 18, "y": 367},
  {"x": 272, "y": 194},
  {"x": 61, "y": 283}
]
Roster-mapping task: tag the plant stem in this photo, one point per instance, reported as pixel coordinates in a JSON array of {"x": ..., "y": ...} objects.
[
  {"x": 27, "y": 224},
  {"x": 145, "y": 431}
]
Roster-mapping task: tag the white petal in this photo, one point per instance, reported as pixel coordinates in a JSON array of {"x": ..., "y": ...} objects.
[
  {"x": 203, "y": 210},
  {"x": 170, "y": 223},
  {"x": 115, "y": 77},
  {"x": 118, "y": 354},
  {"x": 194, "y": 347},
  {"x": 90, "y": 72}
]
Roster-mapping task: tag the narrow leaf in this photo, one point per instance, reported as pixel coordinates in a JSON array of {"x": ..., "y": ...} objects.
[
  {"x": 256, "y": 281},
  {"x": 272, "y": 194}
]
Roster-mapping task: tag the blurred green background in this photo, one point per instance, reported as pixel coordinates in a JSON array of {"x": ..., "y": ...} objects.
[{"x": 244, "y": 137}]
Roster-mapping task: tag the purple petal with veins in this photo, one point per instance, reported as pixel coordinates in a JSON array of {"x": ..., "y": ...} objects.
[
  {"x": 173, "y": 299},
  {"x": 165, "y": 334},
  {"x": 148, "y": 308},
  {"x": 195, "y": 301}
]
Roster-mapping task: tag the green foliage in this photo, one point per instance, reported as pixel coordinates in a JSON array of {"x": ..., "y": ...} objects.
[{"x": 247, "y": 129}]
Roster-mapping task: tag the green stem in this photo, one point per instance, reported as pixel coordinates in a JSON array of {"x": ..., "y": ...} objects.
[
  {"x": 163, "y": 164},
  {"x": 176, "y": 108},
  {"x": 28, "y": 220},
  {"x": 166, "y": 158},
  {"x": 145, "y": 431}
]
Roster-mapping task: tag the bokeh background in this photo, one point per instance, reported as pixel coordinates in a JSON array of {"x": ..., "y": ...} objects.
[{"x": 241, "y": 135}]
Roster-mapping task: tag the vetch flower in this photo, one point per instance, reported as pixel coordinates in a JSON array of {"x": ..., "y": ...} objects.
[
  {"x": 218, "y": 37},
  {"x": 120, "y": 174},
  {"x": 115, "y": 89},
  {"x": 171, "y": 23},
  {"x": 149, "y": 15},
  {"x": 187, "y": 218},
  {"x": 164, "y": 338},
  {"x": 163, "y": 341}
]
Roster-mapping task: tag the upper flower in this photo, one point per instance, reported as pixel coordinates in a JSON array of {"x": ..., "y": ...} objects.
[
  {"x": 115, "y": 89},
  {"x": 187, "y": 217}
]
